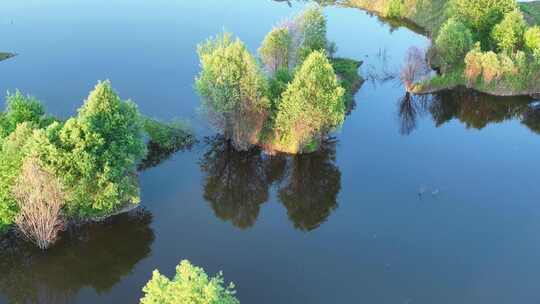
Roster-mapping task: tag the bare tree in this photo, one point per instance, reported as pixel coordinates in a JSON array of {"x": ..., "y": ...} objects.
[
  {"x": 40, "y": 199},
  {"x": 415, "y": 67}
]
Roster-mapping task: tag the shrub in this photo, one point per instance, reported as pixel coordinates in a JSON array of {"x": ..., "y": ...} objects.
[
  {"x": 40, "y": 200},
  {"x": 395, "y": 9},
  {"x": 191, "y": 285},
  {"x": 453, "y": 42},
  {"x": 21, "y": 108},
  {"x": 278, "y": 84},
  {"x": 491, "y": 67},
  {"x": 508, "y": 34},
  {"x": 12, "y": 153},
  {"x": 532, "y": 39},
  {"x": 168, "y": 135},
  {"x": 233, "y": 89},
  {"x": 96, "y": 153},
  {"x": 311, "y": 106},
  {"x": 276, "y": 49},
  {"x": 473, "y": 64}
]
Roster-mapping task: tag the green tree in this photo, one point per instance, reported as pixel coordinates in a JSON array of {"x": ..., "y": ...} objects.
[
  {"x": 532, "y": 39},
  {"x": 96, "y": 153},
  {"x": 453, "y": 43},
  {"x": 508, "y": 34},
  {"x": 276, "y": 49},
  {"x": 312, "y": 25},
  {"x": 233, "y": 89},
  {"x": 481, "y": 15},
  {"x": 311, "y": 106},
  {"x": 191, "y": 285},
  {"x": 13, "y": 151},
  {"x": 21, "y": 108}
]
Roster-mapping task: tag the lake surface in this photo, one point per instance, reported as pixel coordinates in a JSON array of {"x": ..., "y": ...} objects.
[{"x": 432, "y": 200}]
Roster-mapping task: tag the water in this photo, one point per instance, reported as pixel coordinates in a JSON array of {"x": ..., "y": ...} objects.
[{"x": 414, "y": 201}]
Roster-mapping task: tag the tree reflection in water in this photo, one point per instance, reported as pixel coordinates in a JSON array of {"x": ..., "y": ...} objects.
[
  {"x": 313, "y": 184},
  {"x": 238, "y": 183},
  {"x": 88, "y": 256},
  {"x": 473, "y": 109}
]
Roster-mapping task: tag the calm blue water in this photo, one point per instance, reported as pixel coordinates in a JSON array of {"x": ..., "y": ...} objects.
[{"x": 416, "y": 201}]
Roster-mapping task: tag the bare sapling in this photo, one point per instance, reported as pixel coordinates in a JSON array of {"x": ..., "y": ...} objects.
[{"x": 40, "y": 199}]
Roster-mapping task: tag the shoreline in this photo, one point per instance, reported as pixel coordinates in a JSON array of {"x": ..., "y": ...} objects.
[{"x": 414, "y": 26}]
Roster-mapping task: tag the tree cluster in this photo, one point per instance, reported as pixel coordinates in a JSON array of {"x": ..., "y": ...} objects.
[{"x": 287, "y": 105}]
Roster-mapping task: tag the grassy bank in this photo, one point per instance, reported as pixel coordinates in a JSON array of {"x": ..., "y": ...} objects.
[{"x": 4, "y": 56}]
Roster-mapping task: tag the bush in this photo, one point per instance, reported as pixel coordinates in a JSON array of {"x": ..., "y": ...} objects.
[
  {"x": 453, "y": 42},
  {"x": 168, "y": 135},
  {"x": 276, "y": 49},
  {"x": 508, "y": 34},
  {"x": 40, "y": 200},
  {"x": 12, "y": 153},
  {"x": 395, "y": 9},
  {"x": 191, "y": 285},
  {"x": 531, "y": 40},
  {"x": 473, "y": 64},
  {"x": 96, "y": 153},
  {"x": 21, "y": 108},
  {"x": 233, "y": 89},
  {"x": 311, "y": 106},
  {"x": 491, "y": 67}
]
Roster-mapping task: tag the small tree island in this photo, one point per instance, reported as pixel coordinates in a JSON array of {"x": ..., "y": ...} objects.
[{"x": 290, "y": 99}]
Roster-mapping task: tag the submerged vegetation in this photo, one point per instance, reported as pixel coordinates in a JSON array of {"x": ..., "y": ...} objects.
[
  {"x": 90, "y": 159},
  {"x": 290, "y": 103},
  {"x": 484, "y": 45}
]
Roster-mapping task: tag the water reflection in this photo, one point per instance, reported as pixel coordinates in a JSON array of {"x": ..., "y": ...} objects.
[
  {"x": 312, "y": 186},
  {"x": 473, "y": 109},
  {"x": 236, "y": 184},
  {"x": 89, "y": 256}
]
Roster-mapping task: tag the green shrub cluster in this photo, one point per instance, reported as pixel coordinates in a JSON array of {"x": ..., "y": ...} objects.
[
  {"x": 94, "y": 154},
  {"x": 453, "y": 43},
  {"x": 290, "y": 108},
  {"x": 190, "y": 285},
  {"x": 506, "y": 52}
]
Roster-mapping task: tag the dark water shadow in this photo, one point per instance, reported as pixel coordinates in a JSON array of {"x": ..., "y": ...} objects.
[
  {"x": 473, "y": 109},
  {"x": 89, "y": 256},
  {"x": 236, "y": 184}
]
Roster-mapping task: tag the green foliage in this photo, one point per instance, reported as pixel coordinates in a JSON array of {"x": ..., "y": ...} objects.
[
  {"x": 508, "y": 34},
  {"x": 395, "y": 9},
  {"x": 96, "y": 153},
  {"x": 191, "y": 285},
  {"x": 275, "y": 50},
  {"x": 230, "y": 77},
  {"x": 168, "y": 135},
  {"x": 347, "y": 72},
  {"x": 13, "y": 151},
  {"x": 481, "y": 15},
  {"x": 312, "y": 25},
  {"x": 531, "y": 39},
  {"x": 278, "y": 84},
  {"x": 21, "y": 108},
  {"x": 311, "y": 106},
  {"x": 453, "y": 43}
]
